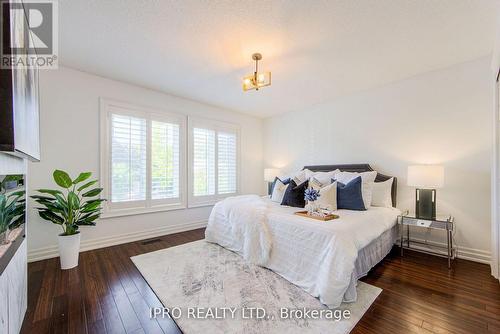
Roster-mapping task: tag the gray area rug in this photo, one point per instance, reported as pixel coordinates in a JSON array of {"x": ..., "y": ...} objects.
[{"x": 214, "y": 290}]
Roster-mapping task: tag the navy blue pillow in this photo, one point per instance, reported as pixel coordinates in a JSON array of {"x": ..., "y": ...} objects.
[
  {"x": 294, "y": 194},
  {"x": 349, "y": 196},
  {"x": 285, "y": 181}
]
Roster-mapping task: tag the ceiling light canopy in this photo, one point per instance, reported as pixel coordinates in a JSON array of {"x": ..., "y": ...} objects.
[{"x": 257, "y": 79}]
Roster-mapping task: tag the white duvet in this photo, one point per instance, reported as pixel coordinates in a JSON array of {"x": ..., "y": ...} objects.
[
  {"x": 247, "y": 233},
  {"x": 315, "y": 255}
]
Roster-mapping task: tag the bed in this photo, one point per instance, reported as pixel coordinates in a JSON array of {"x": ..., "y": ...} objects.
[{"x": 326, "y": 259}]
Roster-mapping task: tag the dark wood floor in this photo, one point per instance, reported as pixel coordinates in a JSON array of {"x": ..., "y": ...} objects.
[{"x": 107, "y": 294}]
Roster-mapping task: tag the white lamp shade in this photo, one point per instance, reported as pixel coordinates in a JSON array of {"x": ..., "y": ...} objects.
[
  {"x": 271, "y": 173},
  {"x": 426, "y": 176}
]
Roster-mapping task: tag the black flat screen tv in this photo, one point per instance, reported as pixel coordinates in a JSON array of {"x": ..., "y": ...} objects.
[{"x": 19, "y": 92}]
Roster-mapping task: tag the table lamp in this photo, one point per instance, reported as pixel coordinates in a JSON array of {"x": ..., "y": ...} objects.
[
  {"x": 269, "y": 175},
  {"x": 426, "y": 178}
]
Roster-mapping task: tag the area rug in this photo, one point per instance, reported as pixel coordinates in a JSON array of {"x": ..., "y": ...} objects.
[{"x": 208, "y": 289}]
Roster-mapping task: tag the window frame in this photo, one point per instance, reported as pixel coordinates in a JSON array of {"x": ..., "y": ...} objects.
[
  {"x": 149, "y": 205},
  {"x": 217, "y": 126}
]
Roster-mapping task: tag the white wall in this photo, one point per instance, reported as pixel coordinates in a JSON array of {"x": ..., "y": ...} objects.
[
  {"x": 495, "y": 181},
  {"x": 442, "y": 117},
  {"x": 70, "y": 141},
  {"x": 10, "y": 164}
]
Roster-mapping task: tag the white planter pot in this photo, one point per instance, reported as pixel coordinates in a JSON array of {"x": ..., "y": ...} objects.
[{"x": 69, "y": 249}]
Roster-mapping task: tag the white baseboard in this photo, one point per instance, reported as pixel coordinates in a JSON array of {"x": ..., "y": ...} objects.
[
  {"x": 52, "y": 251},
  {"x": 471, "y": 254}
]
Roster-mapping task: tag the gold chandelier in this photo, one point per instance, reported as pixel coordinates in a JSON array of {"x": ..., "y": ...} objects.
[{"x": 256, "y": 80}]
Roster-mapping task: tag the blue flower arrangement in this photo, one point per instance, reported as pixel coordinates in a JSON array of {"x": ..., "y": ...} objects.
[{"x": 311, "y": 194}]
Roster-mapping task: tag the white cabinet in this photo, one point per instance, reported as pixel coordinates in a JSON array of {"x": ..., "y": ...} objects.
[
  {"x": 13, "y": 292},
  {"x": 4, "y": 304}
]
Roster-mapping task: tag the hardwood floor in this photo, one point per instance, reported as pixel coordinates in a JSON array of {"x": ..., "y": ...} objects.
[{"x": 107, "y": 294}]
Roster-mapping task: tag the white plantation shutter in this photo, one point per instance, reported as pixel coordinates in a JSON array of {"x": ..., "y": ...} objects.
[
  {"x": 143, "y": 159},
  {"x": 226, "y": 162},
  {"x": 128, "y": 158},
  {"x": 203, "y": 162},
  {"x": 165, "y": 160},
  {"x": 213, "y": 161}
]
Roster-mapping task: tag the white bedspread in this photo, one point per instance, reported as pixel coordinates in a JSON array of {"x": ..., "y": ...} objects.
[
  {"x": 315, "y": 255},
  {"x": 248, "y": 232}
]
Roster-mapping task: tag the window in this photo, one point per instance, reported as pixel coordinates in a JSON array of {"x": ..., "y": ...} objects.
[
  {"x": 213, "y": 161},
  {"x": 203, "y": 162},
  {"x": 142, "y": 159},
  {"x": 226, "y": 162},
  {"x": 165, "y": 162},
  {"x": 128, "y": 158}
]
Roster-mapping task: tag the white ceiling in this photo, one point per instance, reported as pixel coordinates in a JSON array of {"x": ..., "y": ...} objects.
[{"x": 316, "y": 50}]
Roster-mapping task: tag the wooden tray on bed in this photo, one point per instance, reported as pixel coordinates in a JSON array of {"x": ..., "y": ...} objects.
[{"x": 325, "y": 218}]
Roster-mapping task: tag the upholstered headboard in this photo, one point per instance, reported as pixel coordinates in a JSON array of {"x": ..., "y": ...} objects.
[{"x": 358, "y": 168}]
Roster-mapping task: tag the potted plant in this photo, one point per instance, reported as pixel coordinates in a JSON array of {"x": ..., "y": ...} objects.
[
  {"x": 74, "y": 206},
  {"x": 11, "y": 213}
]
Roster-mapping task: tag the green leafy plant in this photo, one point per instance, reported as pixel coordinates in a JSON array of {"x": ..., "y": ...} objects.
[
  {"x": 12, "y": 210},
  {"x": 74, "y": 206}
]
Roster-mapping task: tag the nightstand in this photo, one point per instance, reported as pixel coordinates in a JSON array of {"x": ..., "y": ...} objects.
[{"x": 444, "y": 224}]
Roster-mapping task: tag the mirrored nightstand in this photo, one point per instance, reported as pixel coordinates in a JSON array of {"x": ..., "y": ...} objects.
[{"x": 444, "y": 224}]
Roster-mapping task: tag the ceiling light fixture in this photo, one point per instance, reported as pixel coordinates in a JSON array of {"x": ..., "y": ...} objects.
[{"x": 256, "y": 80}]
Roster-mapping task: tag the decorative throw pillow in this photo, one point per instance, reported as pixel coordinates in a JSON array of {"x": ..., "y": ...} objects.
[
  {"x": 284, "y": 181},
  {"x": 325, "y": 177},
  {"x": 328, "y": 197},
  {"x": 315, "y": 184},
  {"x": 303, "y": 175},
  {"x": 294, "y": 194},
  {"x": 367, "y": 179},
  {"x": 350, "y": 196},
  {"x": 381, "y": 194},
  {"x": 297, "y": 180},
  {"x": 279, "y": 189}
]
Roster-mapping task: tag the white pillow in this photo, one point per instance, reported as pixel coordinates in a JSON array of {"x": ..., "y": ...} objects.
[
  {"x": 325, "y": 177},
  {"x": 367, "y": 179},
  {"x": 328, "y": 197},
  {"x": 302, "y": 176},
  {"x": 315, "y": 184},
  {"x": 381, "y": 194},
  {"x": 278, "y": 191}
]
